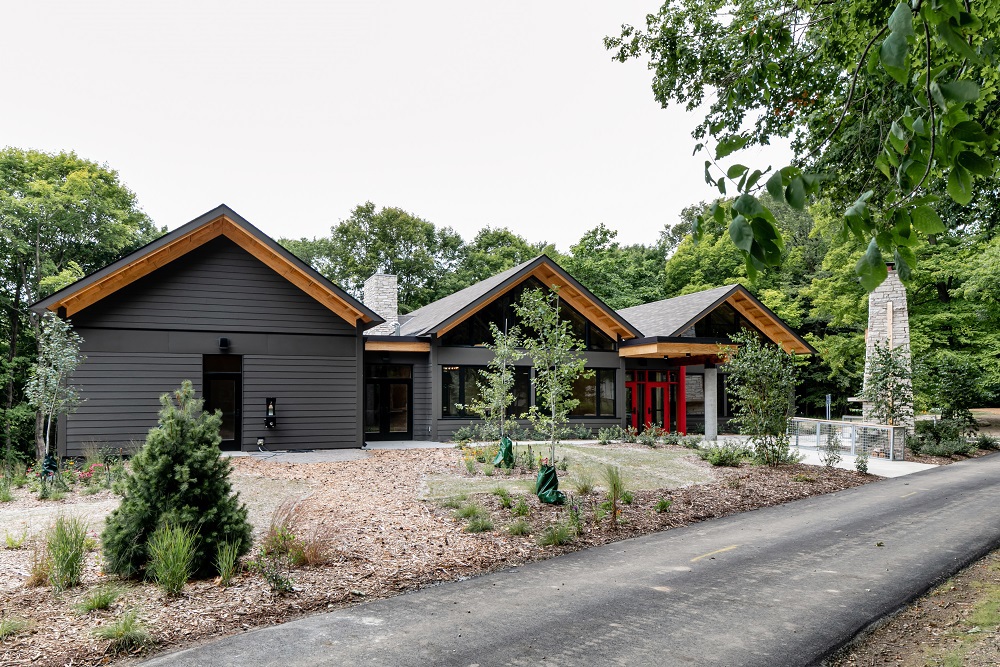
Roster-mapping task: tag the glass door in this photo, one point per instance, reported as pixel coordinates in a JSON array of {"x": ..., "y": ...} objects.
[
  {"x": 388, "y": 402},
  {"x": 223, "y": 391}
]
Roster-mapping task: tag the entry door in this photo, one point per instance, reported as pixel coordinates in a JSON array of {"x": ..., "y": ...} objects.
[
  {"x": 223, "y": 391},
  {"x": 388, "y": 403},
  {"x": 657, "y": 408}
]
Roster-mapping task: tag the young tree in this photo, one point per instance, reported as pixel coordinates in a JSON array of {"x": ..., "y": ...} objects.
[
  {"x": 179, "y": 479},
  {"x": 761, "y": 378},
  {"x": 555, "y": 354},
  {"x": 496, "y": 384},
  {"x": 888, "y": 391},
  {"x": 49, "y": 389}
]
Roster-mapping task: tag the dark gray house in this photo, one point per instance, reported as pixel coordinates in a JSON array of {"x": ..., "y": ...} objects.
[{"x": 221, "y": 304}]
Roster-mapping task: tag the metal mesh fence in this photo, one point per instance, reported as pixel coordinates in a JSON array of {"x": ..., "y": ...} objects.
[{"x": 877, "y": 440}]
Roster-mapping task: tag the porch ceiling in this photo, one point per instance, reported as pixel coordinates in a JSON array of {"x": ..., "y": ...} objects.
[{"x": 673, "y": 350}]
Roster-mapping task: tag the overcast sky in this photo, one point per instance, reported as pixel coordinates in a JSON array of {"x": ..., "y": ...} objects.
[{"x": 467, "y": 113}]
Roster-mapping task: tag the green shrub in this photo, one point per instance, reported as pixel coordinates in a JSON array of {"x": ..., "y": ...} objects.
[
  {"x": 627, "y": 497},
  {"x": 861, "y": 462},
  {"x": 630, "y": 435},
  {"x": 584, "y": 484},
  {"x": 171, "y": 557},
  {"x": 662, "y": 505},
  {"x": 941, "y": 437},
  {"x": 178, "y": 478},
  {"x": 101, "y": 597},
  {"x": 616, "y": 488},
  {"x": 521, "y": 508},
  {"x": 605, "y": 436},
  {"x": 275, "y": 568},
  {"x": 125, "y": 634},
  {"x": 989, "y": 442},
  {"x": 650, "y": 436},
  {"x": 556, "y": 535},
  {"x": 470, "y": 511},
  {"x": 479, "y": 524},
  {"x": 66, "y": 544},
  {"x": 11, "y": 625},
  {"x": 724, "y": 454},
  {"x": 226, "y": 560},
  {"x": 15, "y": 541},
  {"x": 504, "y": 495},
  {"x": 519, "y": 527},
  {"x": 5, "y": 494},
  {"x": 454, "y": 502}
]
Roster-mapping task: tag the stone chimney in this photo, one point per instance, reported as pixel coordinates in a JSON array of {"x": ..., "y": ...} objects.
[
  {"x": 888, "y": 321},
  {"x": 381, "y": 294}
]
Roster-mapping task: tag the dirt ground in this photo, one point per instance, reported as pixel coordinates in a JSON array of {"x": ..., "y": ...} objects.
[{"x": 379, "y": 537}]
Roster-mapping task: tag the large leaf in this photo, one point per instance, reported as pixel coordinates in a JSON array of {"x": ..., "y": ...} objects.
[
  {"x": 975, "y": 164},
  {"x": 736, "y": 171},
  {"x": 955, "y": 41},
  {"x": 871, "y": 268},
  {"x": 968, "y": 131},
  {"x": 960, "y": 185},
  {"x": 960, "y": 91},
  {"x": 926, "y": 220},
  {"x": 894, "y": 53},
  {"x": 730, "y": 145},
  {"x": 750, "y": 207},
  {"x": 795, "y": 193},
  {"x": 741, "y": 233},
  {"x": 775, "y": 187}
]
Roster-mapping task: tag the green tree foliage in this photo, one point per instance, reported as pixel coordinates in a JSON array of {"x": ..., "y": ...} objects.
[
  {"x": 49, "y": 389},
  {"x": 888, "y": 386},
  {"x": 60, "y": 217},
  {"x": 489, "y": 253},
  {"x": 555, "y": 355},
  {"x": 891, "y": 108},
  {"x": 177, "y": 479},
  {"x": 761, "y": 379},
  {"x": 388, "y": 240},
  {"x": 621, "y": 276},
  {"x": 496, "y": 383}
]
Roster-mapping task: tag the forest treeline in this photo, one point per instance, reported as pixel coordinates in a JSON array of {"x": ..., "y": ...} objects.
[{"x": 62, "y": 217}]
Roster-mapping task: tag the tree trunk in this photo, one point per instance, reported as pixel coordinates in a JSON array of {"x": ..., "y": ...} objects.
[{"x": 15, "y": 329}]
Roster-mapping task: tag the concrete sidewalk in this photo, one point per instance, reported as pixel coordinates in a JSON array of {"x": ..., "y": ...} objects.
[{"x": 782, "y": 586}]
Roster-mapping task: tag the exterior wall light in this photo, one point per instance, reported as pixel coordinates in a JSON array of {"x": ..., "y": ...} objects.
[{"x": 270, "y": 420}]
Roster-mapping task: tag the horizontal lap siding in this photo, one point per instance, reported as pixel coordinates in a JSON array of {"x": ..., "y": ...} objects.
[
  {"x": 218, "y": 287},
  {"x": 422, "y": 409},
  {"x": 316, "y": 401},
  {"x": 121, "y": 393}
]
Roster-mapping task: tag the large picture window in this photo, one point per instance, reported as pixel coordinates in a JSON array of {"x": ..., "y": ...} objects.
[
  {"x": 596, "y": 394},
  {"x": 474, "y": 331},
  {"x": 460, "y": 386}
]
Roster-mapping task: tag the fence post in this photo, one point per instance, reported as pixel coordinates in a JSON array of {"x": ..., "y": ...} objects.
[
  {"x": 854, "y": 432},
  {"x": 819, "y": 430}
]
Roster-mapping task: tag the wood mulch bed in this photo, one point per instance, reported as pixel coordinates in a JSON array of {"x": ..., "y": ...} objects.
[{"x": 379, "y": 539}]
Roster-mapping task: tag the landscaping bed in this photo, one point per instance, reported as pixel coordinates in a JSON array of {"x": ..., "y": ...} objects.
[{"x": 376, "y": 528}]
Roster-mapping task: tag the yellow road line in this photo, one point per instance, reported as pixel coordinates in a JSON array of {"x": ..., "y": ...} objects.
[{"x": 712, "y": 553}]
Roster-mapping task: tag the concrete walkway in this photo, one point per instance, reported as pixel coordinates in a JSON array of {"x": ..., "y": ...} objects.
[{"x": 782, "y": 586}]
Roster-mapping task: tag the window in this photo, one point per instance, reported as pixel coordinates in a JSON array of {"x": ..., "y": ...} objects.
[
  {"x": 474, "y": 331},
  {"x": 722, "y": 323},
  {"x": 596, "y": 394},
  {"x": 460, "y": 386}
]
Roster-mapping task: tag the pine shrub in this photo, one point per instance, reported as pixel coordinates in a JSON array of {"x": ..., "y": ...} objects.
[{"x": 177, "y": 478}]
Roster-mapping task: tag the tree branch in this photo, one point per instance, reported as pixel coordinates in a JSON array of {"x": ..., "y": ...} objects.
[{"x": 854, "y": 82}]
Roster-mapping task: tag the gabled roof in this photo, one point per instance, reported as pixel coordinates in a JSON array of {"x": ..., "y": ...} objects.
[
  {"x": 444, "y": 314},
  {"x": 671, "y": 318},
  {"x": 220, "y": 221}
]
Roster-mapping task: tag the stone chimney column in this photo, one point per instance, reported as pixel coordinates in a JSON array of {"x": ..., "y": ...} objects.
[
  {"x": 888, "y": 321},
  {"x": 381, "y": 294}
]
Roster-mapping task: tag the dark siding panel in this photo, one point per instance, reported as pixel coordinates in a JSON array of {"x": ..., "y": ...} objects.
[
  {"x": 316, "y": 401},
  {"x": 122, "y": 395},
  {"x": 218, "y": 287}
]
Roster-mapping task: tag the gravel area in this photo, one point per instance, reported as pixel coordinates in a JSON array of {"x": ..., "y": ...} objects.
[{"x": 379, "y": 537}]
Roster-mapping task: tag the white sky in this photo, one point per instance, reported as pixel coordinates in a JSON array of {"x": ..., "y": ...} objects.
[{"x": 467, "y": 114}]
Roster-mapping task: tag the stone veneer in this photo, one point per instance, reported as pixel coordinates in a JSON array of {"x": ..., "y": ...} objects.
[
  {"x": 381, "y": 294},
  {"x": 888, "y": 321}
]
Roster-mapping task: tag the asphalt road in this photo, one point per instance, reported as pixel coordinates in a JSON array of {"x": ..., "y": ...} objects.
[{"x": 780, "y": 586}]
